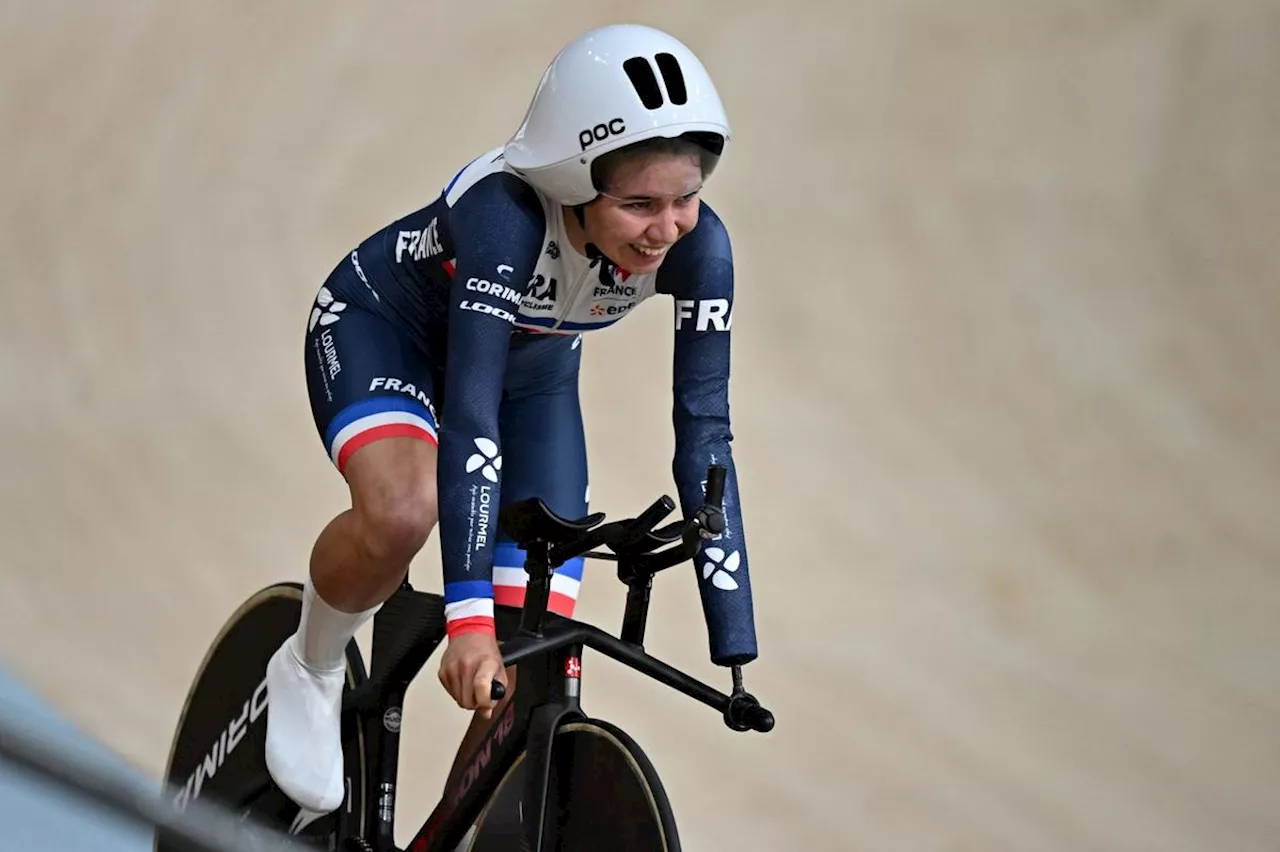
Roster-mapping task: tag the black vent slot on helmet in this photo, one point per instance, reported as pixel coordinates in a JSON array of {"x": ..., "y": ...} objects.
[
  {"x": 646, "y": 84},
  {"x": 673, "y": 77}
]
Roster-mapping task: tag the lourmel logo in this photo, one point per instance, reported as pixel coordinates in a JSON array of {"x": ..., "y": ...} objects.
[
  {"x": 720, "y": 568},
  {"x": 326, "y": 310},
  {"x": 487, "y": 461}
]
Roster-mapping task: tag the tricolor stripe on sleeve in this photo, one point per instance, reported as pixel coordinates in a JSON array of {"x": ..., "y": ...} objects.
[{"x": 468, "y": 607}]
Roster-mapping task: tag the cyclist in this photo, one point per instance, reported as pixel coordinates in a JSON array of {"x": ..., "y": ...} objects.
[{"x": 473, "y": 308}]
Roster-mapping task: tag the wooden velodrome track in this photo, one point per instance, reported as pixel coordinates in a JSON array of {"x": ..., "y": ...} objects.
[{"x": 1006, "y": 386}]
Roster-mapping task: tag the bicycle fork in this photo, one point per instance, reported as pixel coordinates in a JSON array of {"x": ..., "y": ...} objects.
[{"x": 546, "y": 720}]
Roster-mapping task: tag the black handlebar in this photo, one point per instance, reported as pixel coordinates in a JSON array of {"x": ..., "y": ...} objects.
[
  {"x": 648, "y": 519},
  {"x": 715, "y": 486},
  {"x": 743, "y": 711},
  {"x": 618, "y": 535}
]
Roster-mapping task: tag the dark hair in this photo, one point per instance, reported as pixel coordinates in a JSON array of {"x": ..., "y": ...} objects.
[{"x": 705, "y": 147}]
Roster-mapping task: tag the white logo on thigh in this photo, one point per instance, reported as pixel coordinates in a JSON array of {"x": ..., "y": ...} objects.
[
  {"x": 720, "y": 569},
  {"x": 487, "y": 460},
  {"x": 326, "y": 310}
]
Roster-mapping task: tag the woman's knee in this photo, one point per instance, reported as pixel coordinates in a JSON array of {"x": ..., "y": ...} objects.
[
  {"x": 393, "y": 491},
  {"x": 397, "y": 528}
]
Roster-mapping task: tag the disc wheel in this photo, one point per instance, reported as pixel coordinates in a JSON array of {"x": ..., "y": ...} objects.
[
  {"x": 218, "y": 749},
  {"x": 603, "y": 794}
]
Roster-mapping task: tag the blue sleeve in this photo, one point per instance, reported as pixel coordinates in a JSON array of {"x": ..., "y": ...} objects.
[
  {"x": 698, "y": 273},
  {"x": 498, "y": 227}
]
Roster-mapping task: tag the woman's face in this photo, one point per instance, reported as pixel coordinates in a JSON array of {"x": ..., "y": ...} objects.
[{"x": 651, "y": 202}]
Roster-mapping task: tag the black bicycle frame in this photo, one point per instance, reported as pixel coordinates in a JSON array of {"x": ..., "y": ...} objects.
[
  {"x": 547, "y": 696},
  {"x": 526, "y": 724},
  {"x": 411, "y": 624}
]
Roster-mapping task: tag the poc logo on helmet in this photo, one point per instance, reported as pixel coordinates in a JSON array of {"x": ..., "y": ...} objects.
[{"x": 601, "y": 132}]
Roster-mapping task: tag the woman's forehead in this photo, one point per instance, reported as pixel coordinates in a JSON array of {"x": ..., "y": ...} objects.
[{"x": 660, "y": 176}]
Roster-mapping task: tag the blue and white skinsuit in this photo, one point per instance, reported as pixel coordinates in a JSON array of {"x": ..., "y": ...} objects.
[{"x": 473, "y": 309}]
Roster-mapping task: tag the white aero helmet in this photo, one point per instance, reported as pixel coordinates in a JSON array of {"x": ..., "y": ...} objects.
[{"x": 609, "y": 88}]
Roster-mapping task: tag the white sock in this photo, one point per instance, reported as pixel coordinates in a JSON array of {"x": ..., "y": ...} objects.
[{"x": 323, "y": 632}]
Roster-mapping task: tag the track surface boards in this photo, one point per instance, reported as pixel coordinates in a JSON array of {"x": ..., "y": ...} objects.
[{"x": 1006, "y": 382}]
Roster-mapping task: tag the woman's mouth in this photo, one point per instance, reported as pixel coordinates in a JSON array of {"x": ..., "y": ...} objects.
[{"x": 649, "y": 251}]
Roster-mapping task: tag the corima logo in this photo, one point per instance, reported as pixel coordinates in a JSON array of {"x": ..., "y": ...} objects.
[
  {"x": 601, "y": 132},
  {"x": 228, "y": 737},
  {"x": 502, "y": 291},
  {"x": 493, "y": 288}
]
